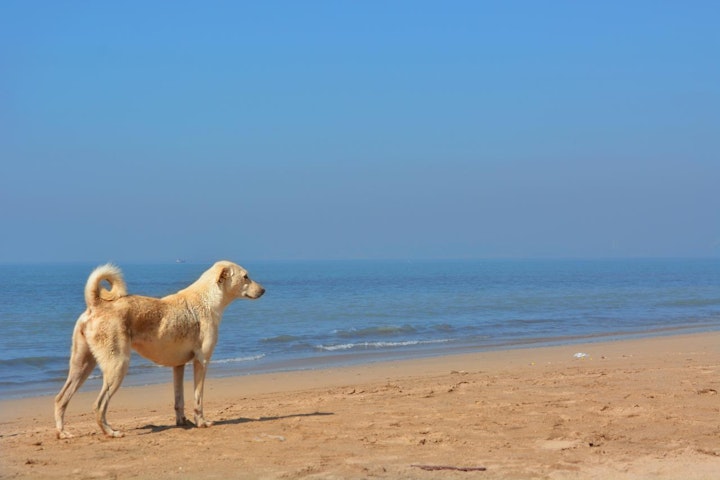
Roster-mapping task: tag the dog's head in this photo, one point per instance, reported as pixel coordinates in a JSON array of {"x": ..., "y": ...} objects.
[{"x": 234, "y": 281}]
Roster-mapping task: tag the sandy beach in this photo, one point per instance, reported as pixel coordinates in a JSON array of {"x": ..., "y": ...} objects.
[{"x": 646, "y": 408}]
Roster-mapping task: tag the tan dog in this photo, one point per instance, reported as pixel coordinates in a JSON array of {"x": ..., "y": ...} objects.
[{"x": 170, "y": 331}]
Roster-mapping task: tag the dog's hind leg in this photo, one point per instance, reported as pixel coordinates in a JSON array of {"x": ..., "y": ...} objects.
[
  {"x": 82, "y": 364},
  {"x": 114, "y": 370},
  {"x": 178, "y": 375}
]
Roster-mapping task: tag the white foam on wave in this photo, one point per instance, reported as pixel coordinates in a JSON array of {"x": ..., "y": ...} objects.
[
  {"x": 240, "y": 359},
  {"x": 369, "y": 345}
]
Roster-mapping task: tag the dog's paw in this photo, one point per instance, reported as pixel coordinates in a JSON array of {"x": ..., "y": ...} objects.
[
  {"x": 182, "y": 422},
  {"x": 114, "y": 433},
  {"x": 202, "y": 423},
  {"x": 64, "y": 435}
]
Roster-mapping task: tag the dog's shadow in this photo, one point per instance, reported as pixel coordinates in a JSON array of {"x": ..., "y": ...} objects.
[{"x": 232, "y": 421}]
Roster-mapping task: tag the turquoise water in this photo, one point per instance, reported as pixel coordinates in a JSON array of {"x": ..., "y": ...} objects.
[{"x": 317, "y": 314}]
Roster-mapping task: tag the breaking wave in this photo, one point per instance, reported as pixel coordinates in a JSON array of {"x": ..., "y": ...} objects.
[{"x": 377, "y": 345}]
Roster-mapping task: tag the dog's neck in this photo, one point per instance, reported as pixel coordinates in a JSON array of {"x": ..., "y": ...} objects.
[{"x": 206, "y": 292}]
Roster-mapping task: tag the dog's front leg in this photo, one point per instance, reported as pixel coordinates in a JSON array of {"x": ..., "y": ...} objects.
[
  {"x": 178, "y": 375},
  {"x": 199, "y": 370}
]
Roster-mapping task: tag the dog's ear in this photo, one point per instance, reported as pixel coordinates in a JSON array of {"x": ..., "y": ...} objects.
[{"x": 224, "y": 275}]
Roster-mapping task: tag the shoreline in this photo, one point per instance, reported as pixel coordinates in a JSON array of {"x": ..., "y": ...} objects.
[
  {"x": 152, "y": 374},
  {"x": 628, "y": 409},
  {"x": 315, "y": 366}
]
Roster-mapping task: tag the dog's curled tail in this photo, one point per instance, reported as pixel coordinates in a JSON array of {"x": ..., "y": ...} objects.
[{"x": 95, "y": 292}]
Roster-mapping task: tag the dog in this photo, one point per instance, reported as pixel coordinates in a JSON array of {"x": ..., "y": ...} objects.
[{"x": 171, "y": 331}]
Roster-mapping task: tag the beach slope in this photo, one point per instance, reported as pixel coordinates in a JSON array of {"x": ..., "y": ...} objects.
[{"x": 646, "y": 408}]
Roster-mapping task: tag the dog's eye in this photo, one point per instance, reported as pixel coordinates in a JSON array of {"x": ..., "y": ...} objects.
[{"x": 245, "y": 277}]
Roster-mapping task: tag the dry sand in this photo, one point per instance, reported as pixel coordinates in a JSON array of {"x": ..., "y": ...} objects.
[{"x": 644, "y": 408}]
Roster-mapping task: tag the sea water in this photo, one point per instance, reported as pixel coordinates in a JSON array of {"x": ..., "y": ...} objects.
[{"x": 329, "y": 313}]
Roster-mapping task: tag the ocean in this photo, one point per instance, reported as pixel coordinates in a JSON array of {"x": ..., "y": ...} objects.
[{"x": 330, "y": 313}]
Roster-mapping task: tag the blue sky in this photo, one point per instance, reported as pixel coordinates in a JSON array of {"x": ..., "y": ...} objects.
[{"x": 149, "y": 131}]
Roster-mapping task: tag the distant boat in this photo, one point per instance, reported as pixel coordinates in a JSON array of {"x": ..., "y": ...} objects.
[{"x": 179, "y": 260}]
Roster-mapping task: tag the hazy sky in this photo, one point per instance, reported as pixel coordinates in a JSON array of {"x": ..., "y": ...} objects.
[{"x": 149, "y": 131}]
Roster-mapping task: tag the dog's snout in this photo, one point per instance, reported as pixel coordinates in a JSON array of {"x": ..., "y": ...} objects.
[{"x": 261, "y": 292}]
